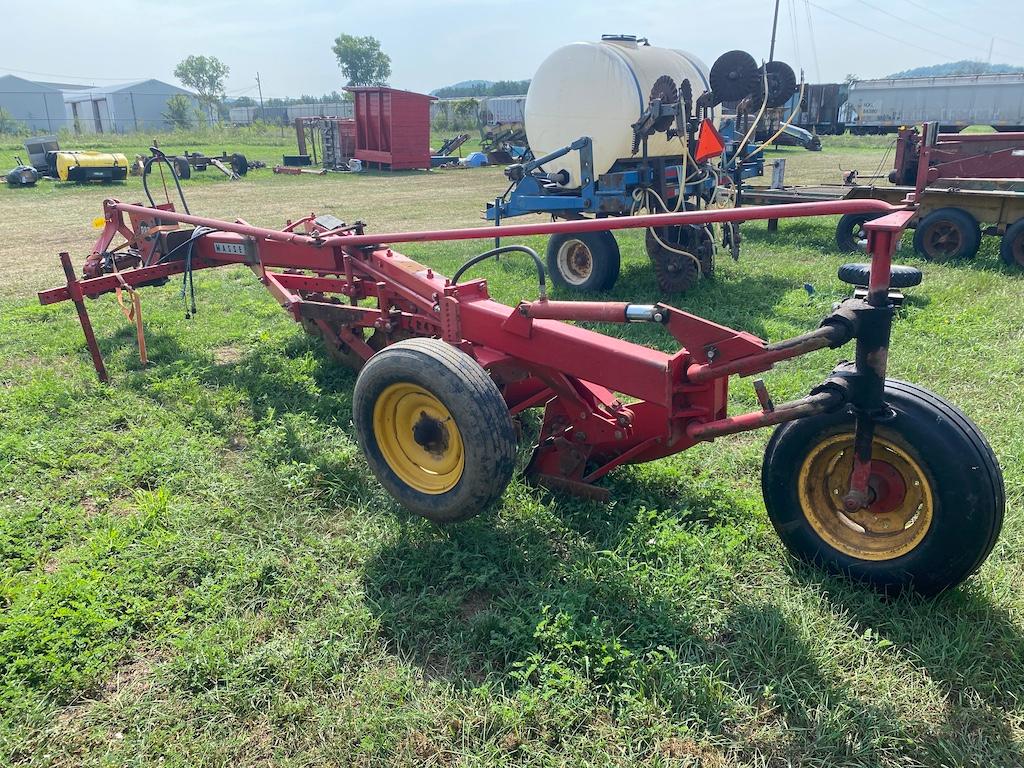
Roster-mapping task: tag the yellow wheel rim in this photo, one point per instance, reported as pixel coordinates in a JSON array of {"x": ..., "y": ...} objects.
[
  {"x": 897, "y": 518},
  {"x": 418, "y": 438}
]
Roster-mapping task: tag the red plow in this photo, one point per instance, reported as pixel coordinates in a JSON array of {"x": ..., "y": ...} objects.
[{"x": 876, "y": 479}]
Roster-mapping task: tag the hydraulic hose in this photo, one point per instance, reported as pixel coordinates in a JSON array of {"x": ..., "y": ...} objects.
[
  {"x": 541, "y": 276},
  {"x": 160, "y": 156}
]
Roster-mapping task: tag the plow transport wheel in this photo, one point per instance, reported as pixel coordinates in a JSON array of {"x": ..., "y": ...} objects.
[
  {"x": 434, "y": 428},
  {"x": 936, "y": 487},
  {"x": 587, "y": 261}
]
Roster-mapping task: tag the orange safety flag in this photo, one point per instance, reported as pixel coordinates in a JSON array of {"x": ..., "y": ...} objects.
[{"x": 709, "y": 142}]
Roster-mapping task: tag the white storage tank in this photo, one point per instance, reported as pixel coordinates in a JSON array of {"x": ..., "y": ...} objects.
[{"x": 599, "y": 90}]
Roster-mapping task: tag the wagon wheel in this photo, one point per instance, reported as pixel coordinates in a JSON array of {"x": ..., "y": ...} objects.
[
  {"x": 851, "y": 236},
  {"x": 1011, "y": 248},
  {"x": 947, "y": 234},
  {"x": 936, "y": 494},
  {"x": 677, "y": 272},
  {"x": 434, "y": 428}
]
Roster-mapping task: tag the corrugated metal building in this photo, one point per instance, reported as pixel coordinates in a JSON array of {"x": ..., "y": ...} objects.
[
  {"x": 124, "y": 107},
  {"x": 39, "y": 106}
]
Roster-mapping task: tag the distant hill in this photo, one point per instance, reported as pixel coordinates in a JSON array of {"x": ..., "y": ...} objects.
[
  {"x": 464, "y": 85},
  {"x": 481, "y": 88},
  {"x": 964, "y": 67}
]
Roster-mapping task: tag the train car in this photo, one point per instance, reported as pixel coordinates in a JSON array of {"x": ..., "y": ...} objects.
[
  {"x": 502, "y": 123},
  {"x": 882, "y": 106},
  {"x": 503, "y": 110},
  {"x": 818, "y": 110}
]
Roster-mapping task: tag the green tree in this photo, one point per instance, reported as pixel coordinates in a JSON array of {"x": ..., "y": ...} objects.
[
  {"x": 244, "y": 101},
  {"x": 179, "y": 111},
  {"x": 464, "y": 113},
  {"x": 8, "y": 124},
  {"x": 361, "y": 60},
  {"x": 205, "y": 75}
]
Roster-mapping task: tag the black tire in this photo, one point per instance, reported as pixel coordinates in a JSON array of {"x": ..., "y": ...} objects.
[
  {"x": 588, "y": 261},
  {"x": 947, "y": 234},
  {"x": 239, "y": 164},
  {"x": 900, "y": 275},
  {"x": 959, "y": 471},
  {"x": 482, "y": 426},
  {"x": 1011, "y": 247},
  {"x": 182, "y": 168},
  {"x": 850, "y": 235}
]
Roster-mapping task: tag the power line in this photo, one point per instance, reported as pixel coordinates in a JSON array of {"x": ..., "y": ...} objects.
[
  {"x": 814, "y": 45},
  {"x": 791, "y": 5},
  {"x": 72, "y": 77},
  {"x": 902, "y": 41},
  {"x": 959, "y": 23},
  {"x": 918, "y": 26}
]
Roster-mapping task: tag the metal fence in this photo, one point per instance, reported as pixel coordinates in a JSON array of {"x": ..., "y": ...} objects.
[{"x": 113, "y": 112}]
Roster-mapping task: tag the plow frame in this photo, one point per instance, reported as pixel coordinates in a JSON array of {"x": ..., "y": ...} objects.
[{"x": 361, "y": 295}]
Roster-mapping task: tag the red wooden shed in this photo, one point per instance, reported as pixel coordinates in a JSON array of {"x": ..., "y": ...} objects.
[{"x": 392, "y": 127}]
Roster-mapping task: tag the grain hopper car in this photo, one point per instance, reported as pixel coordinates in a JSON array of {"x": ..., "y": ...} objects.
[
  {"x": 502, "y": 125},
  {"x": 872, "y": 478},
  {"x": 620, "y": 126},
  {"x": 954, "y": 103}
]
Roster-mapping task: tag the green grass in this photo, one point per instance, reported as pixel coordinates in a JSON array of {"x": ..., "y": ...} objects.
[{"x": 197, "y": 569}]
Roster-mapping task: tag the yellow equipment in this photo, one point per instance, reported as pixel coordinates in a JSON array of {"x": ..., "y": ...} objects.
[{"x": 71, "y": 165}]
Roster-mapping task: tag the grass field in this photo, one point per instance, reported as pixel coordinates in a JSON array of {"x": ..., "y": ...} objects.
[{"x": 197, "y": 570}]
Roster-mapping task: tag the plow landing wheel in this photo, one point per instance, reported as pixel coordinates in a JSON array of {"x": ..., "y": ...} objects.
[
  {"x": 434, "y": 428},
  {"x": 947, "y": 234},
  {"x": 587, "y": 261},
  {"x": 937, "y": 494}
]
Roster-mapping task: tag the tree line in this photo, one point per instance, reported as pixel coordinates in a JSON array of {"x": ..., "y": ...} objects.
[{"x": 360, "y": 58}]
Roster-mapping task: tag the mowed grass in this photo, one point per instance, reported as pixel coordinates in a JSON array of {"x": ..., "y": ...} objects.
[{"x": 198, "y": 570}]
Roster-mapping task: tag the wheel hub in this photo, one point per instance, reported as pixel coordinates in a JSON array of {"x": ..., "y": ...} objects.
[
  {"x": 418, "y": 438},
  {"x": 899, "y": 508},
  {"x": 944, "y": 240},
  {"x": 575, "y": 261},
  {"x": 430, "y": 434}
]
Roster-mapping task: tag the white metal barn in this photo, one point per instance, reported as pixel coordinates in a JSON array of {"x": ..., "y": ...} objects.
[
  {"x": 122, "y": 108},
  {"x": 39, "y": 106}
]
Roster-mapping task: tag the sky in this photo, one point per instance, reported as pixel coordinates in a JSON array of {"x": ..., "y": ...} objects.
[{"x": 433, "y": 43}]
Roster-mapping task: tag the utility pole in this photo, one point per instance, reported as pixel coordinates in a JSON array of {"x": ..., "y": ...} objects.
[
  {"x": 259, "y": 87},
  {"x": 991, "y": 45},
  {"x": 775, "y": 25}
]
